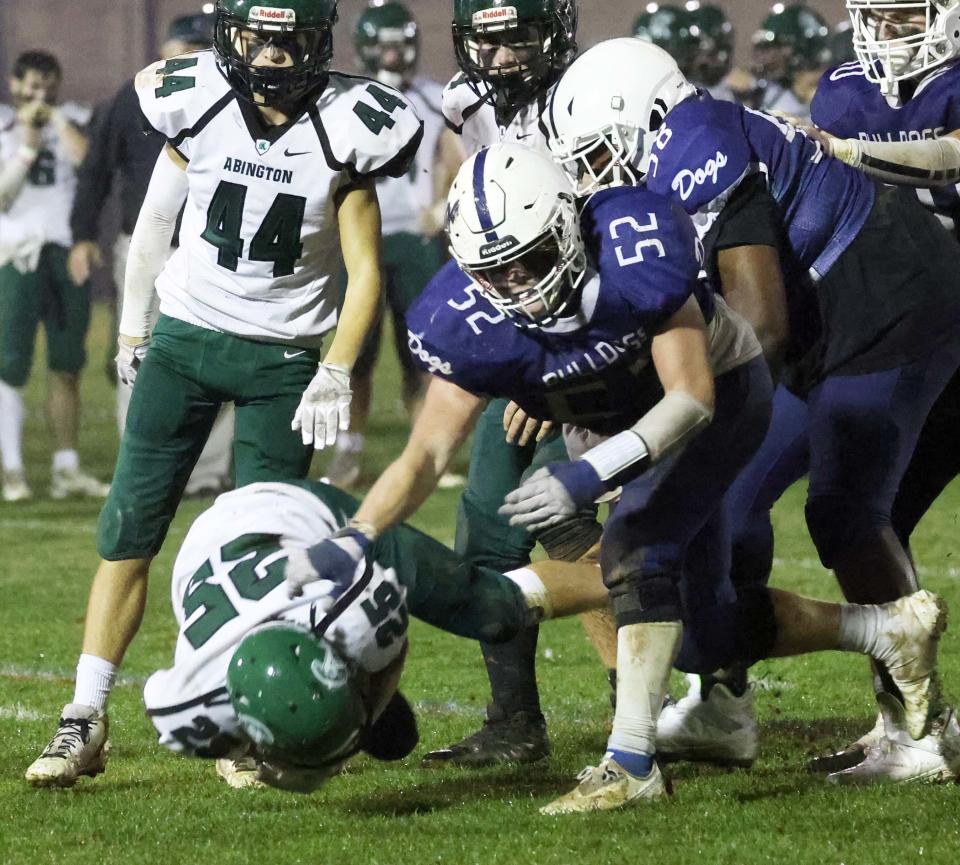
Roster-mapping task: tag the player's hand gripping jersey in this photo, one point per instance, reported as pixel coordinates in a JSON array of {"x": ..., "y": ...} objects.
[
  {"x": 592, "y": 369},
  {"x": 468, "y": 110},
  {"x": 259, "y": 241},
  {"x": 847, "y": 105},
  {"x": 228, "y": 579}
]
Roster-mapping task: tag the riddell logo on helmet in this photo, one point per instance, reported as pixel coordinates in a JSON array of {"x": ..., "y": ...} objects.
[
  {"x": 498, "y": 247},
  {"x": 269, "y": 15},
  {"x": 497, "y": 15}
]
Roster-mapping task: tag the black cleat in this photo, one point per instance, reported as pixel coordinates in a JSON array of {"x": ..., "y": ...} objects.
[{"x": 519, "y": 738}]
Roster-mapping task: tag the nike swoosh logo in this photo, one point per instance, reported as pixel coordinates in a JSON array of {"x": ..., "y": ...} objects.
[
  {"x": 297, "y": 153},
  {"x": 288, "y": 354}
]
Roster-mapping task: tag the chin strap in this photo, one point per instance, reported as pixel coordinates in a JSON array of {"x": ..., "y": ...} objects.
[{"x": 933, "y": 162}]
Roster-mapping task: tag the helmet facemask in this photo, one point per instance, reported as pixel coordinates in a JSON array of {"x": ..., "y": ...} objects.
[
  {"x": 238, "y": 43},
  {"x": 610, "y": 156},
  {"x": 540, "y": 282},
  {"x": 900, "y": 41}
]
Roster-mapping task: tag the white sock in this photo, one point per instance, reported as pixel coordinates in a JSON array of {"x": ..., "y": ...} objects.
[
  {"x": 66, "y": 460},
  {"x": 11, "y": 427},
  {"x": 534, "y": 592},
  {"x": 861, "y": 626},
  {"x": 349, "y": 442},
  {"x": 95, "y": 678},
  {"x": 645, "y": 656}
]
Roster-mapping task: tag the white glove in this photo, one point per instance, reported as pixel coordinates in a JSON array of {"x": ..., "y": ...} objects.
[
  {"x": 325, "y": 406},
  {"x": 128, "y": 360}
]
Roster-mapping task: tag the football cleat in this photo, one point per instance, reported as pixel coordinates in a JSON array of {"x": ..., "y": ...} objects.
[
  {"x": 65, "y": 483},
  {"x": 607, "y": 787},
  {"x": 720, "y": 729},
  {"x": 79, "y": 747},
  {"x": 240, "y": 774},
  {"x": 847, "y": 758},
  {"x": 519, "y": 738},
  {"x": 910, "y": 655},
  {"x": 900, "y": 759},
  {"x": 15, "y": 487}
]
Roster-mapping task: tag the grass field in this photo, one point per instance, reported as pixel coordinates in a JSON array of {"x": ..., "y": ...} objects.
[{"x": 152, "y": 806}]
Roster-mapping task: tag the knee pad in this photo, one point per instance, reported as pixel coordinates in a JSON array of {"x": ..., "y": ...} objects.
[{"x": 638, "y": 598}]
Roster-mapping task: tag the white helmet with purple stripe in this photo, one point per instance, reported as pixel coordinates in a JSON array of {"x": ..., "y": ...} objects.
[{"x": 513, "y": 228}]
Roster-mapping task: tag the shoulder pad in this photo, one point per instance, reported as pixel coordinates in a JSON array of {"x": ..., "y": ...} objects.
[
  {"x": 175, "y": 94},
  {"x": 366, "y": 128},
  {"x": 77, "y": 114},
  {"x": 460, "y": 99},
  {"x": 838, "y": 88},
  {"x": 701, "y": 152}
]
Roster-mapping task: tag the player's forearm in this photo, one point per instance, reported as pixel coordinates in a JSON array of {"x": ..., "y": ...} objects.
[
  {"x": 13, "y": 174},
  {"x": 74, "y": 141},
  {"x": 929, "y": 163},
  {"x": 400, "y": 491},
  {"x": 150, "y": 245},
  {"x": 360, "y": 308}
]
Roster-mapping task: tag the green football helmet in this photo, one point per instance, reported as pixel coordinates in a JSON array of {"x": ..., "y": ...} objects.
[
  {"x": 715, "y": 36},
  {"x": 296, "y": 697},
  {"x": 841, "y": 44},
  {"x": 541, "y": 35},
  {"x": 387, "y": 42},
  {"x": 303, "y": 28},
  {"x": 791, "y": 39},
  {"x": 668, "y": 27}
]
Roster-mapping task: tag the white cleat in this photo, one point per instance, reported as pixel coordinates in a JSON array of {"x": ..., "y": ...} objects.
[
  {"x": 66, "y": 483},
  {"x": 240, "y": 774},
  {"x": 854, "y": 753},
  {"x": 901, "y": 759},
  {"x": 721, "y": 729},
  {"x": 607, "y": 787},
  {"x": 15, "y": 487},
  {"x": 79, "y": 747},
  {"x": 910, "y": 655}
]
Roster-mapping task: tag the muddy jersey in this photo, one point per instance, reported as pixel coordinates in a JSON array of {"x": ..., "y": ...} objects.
[
  {"x": 404, "y": 199},
  {"x": 468, "y": 110},
  {"x": 259, "y": 241},
  {"x": 41, "y": 211},
  {"x": 592, "y": 369},
  {"x": 849, "y": 106},
  {"x": 228, "y": 580}
]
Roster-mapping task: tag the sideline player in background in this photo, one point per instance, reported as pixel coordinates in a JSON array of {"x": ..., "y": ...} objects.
[
  {"x": 121, "y": 150},
  {"x": 276, "y": 159},
  {"x": 237, "y": 621},
  {"x": 387, "y": 43},
  {"x": 41, "y": 145},
  {"x": 509, "y": 58}
]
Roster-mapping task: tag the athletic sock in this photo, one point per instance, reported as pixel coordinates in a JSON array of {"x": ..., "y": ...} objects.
[
  {"x": 11, "y": 427},
  {"x": 638, "y": 765},
  {"x": 645, "y": 655},
  {"x": 66, "y": 460},
  {"x": 861, "y": 626},
  {"x": 511, "y": 668},
  {"x": 95, "y": 678},
  {"x": 349, "y": 442}
]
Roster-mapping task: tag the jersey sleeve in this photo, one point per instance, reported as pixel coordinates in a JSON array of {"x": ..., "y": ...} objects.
[
  {"x": 838, "y": 95},
  {"x": 373, "y": 132},
  {"x": 700, "y": 155},
  {"x": 177, "y": 96}
]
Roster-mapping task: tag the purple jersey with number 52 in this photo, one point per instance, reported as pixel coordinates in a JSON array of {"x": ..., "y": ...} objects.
[
  {"x": 849, "y": 106},
  {"x": 707, "y": 147},
  {"x": 592, "y": 369}
]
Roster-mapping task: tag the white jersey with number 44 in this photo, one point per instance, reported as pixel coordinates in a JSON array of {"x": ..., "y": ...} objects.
[
  {"x": 228, "y": 580},
  {"x": 259, "y": 241}
]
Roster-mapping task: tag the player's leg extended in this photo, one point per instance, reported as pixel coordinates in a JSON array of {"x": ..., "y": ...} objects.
[
  {"x": 20, "y": 305},
  {"x": 169, "y": 418},
  {"x": 267, "y": 382},
  {"x": 66, "y": 320}
]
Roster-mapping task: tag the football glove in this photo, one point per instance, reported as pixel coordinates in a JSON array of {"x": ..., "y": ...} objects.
[
  {"x": 553, "y": 494},
  {"x": 335, "y": 559},
  {"x": 128, "y": 360},
  {"x": 325, "y": 406}
]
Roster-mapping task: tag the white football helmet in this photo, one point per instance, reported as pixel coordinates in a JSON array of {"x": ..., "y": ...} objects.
[
  {"x": 602, "y": 125},
  {"x": 896, "y": 40},
  {"x": 513, "y": 229}
]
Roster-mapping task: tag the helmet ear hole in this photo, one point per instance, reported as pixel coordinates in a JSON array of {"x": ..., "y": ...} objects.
[{"x": 658, "y": 115}]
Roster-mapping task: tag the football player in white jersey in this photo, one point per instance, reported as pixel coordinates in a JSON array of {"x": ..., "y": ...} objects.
[
  {"x": 41, "y": 145},
  {"x": 335, "y": 652},
  {"x": 510, "y": 56},
  {"x": 276, "y": 158},
  {"x": 387, "y": 43}
]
